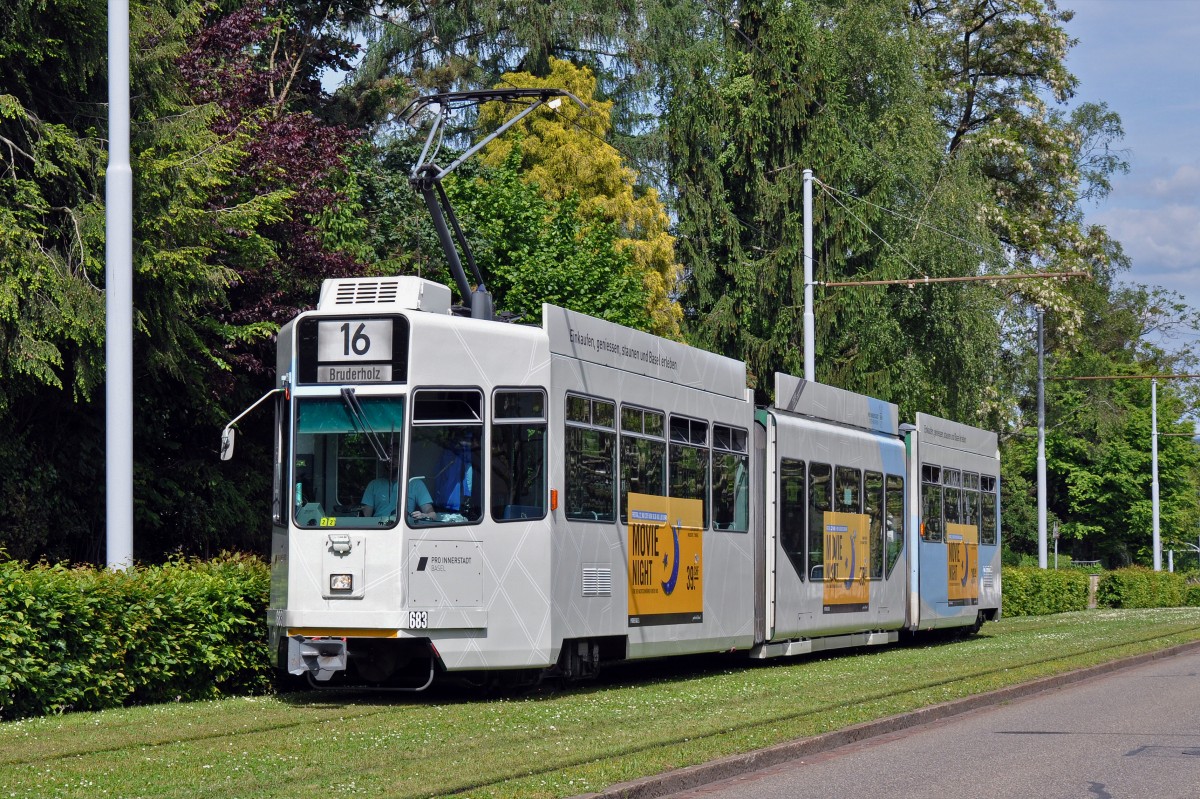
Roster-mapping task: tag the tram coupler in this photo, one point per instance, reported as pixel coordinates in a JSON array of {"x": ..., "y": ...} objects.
[{"x": 320, "y": 658}]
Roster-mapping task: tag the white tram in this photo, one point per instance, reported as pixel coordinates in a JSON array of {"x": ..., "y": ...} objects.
[{"x": 457, "y": 495}]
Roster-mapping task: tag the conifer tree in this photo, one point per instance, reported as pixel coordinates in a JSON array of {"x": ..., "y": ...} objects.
[{"x": 835, "y": 88}]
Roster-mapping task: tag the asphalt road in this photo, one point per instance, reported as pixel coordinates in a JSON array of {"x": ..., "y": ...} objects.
[{"x": 1128, "y": 732}]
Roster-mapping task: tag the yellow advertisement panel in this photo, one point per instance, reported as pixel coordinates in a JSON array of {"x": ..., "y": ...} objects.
[
  {"x": 847, "y": 560},
  {"x": 666, "y": 554},
  {"x": 962, "y": 569}
]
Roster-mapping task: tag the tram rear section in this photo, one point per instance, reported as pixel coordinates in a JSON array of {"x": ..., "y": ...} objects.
[{"x": 461, "y": 496}]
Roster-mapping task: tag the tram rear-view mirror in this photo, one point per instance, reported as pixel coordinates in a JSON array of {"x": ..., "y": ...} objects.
[{"x": 227, "y": 443}]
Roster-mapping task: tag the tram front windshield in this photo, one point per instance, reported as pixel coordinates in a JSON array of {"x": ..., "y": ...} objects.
[{"x": 347, "y": 461}]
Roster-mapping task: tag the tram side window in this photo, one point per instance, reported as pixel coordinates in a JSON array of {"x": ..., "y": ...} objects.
[
  {"x": 820, "y": 500},
  {"x": 894, "y": 522},
  {"x": 518, "y": 455},
  {"x": 731, "y": 479},
  {"x": 791, "y": 512},
  {"x": 445, "y": 461},
  {"x": 848, "y": 496},
  {"x": 987, "y": 517},
  {"x": 591, "y": 449},
  {"x": 931, "y": 502},
  {"x": 687, "y": 461},
  {"x": 951, "y": 498},
  {"x": 970, "y": 499},
  {"x": 643, "y": 455},
  {"x": 873, "y": 500}
]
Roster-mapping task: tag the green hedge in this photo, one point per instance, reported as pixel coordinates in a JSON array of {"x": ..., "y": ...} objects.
[
  {"x": 1031, "y": 591},
  {"x": 1192, "y": 595},
  {"x": 84, "y": 639},
  {"x": 1139, "y": 587}
]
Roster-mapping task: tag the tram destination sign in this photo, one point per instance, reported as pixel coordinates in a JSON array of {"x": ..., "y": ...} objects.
[{"x": 353, "y": 350}]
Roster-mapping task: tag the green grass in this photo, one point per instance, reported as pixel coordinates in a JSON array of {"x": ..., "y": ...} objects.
[{"x": 641, "y": 720}]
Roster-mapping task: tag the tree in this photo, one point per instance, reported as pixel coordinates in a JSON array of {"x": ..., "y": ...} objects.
[
  {"x": 834, "y": 87},
  {"x": 1098, "y": 433},
  {"x": 536, "y": 250},
  {"x": 996, "y": 62},
  {"x": 277, "y": 216},
  {"x": 49, "y": 198},
  {"x": 216, "y": 212},
  {"x": 440, "y": 47},
  {"x": 53, "y": 255},
  {"x": 563, "y": 152}
]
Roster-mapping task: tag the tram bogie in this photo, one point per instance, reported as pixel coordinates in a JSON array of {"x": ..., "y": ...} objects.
[{"x": 457, "y": 495}]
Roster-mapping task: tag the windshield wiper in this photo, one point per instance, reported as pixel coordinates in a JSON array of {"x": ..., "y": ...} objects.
[{"x": 360, "y": 418}]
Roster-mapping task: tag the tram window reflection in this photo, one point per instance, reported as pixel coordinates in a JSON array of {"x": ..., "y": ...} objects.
[
  {"x": 518, "y": 455},
  {"x": 591, "y": 454},
  {"x": 340, "y": 445},
  {"x": 848, "y": 496},
  {"x": 873, "y": 501},
  {"x": 894, "y": 521},
  {"x": 792, "y": 502},
  {"x": 643, "y": 455},
  {"x": 987, "y": 518},
  {"x": 820, "y": 500},
  {"x": 731, "y": 479},
  {"x": 357, "y": 465},
  {"x": 687, "y": 461},
  {"x": 970, "y": 499},
  {"x": 951, "y": 499},
  {"x": 931, "y": 502}
]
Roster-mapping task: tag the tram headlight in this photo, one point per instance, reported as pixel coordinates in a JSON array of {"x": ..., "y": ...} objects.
[{"x": 341, "y": 582}]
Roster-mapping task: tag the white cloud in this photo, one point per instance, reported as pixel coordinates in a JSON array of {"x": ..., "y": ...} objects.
[
  {"x": 1166, "y": 238},
  {"x": 1183, "y": 184}
]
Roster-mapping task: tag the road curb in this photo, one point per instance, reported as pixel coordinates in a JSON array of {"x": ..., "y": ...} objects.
[{"x": 735, "y": 765}]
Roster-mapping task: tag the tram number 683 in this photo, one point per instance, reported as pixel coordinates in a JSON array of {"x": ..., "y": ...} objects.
[
  {"x": 359, "y": 341},
  {"x": 418, "y": 619}
]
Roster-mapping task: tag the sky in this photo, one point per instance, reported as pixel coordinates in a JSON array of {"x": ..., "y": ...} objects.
[{"x": 1142, "y": 58}]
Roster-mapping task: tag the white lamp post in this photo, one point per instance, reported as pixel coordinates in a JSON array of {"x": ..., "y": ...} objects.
[{"x": 118, "y": 298}]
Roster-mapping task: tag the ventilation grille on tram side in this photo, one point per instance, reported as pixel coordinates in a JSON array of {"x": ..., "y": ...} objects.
[{"x": 597, "y": 581}]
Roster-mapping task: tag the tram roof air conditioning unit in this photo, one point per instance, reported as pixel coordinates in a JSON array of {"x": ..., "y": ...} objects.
[{"x": 384, "y": 294}]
